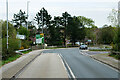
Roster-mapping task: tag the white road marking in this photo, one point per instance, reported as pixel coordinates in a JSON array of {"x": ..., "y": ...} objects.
[
  {"x": 63, "y": 65},
  {"x": 84, "y": 53},
  {"x": 99, "y": 61},
  {"x": 107, "y": 65},
  {"x": 68, "y": 68}
]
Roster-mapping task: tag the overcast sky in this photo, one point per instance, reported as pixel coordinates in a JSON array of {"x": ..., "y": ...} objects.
[{"x": 98, "y": 10}]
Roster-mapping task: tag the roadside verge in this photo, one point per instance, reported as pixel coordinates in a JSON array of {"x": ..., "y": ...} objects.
[{"x": 10, "y": 69}]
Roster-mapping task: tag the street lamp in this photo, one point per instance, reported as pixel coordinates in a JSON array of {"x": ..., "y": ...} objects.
[
  {"x": 42, "y": 28},
  {"x": 27, "y": 12},
  {"x": 7, "y": 21},
  {"x": 42, "y": 20}
]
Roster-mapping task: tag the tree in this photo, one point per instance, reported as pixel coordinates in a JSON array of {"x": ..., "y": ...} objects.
[
  {"x": 64, "y": 20},
  {"x": 55, "y": 31},
  {"x": 86, "y": 21},
  {"x": 23, "y": 31},
  {"x": 113, "y": 17},
  {"x": 19, "y": 19},
  {"x": 74, "y": 30},
  {"x": 106, "y": 35},
  {"x": 43, "y": 18},
  {"x": 88, "y": 29},
  {"x": 91, "y": 34}
]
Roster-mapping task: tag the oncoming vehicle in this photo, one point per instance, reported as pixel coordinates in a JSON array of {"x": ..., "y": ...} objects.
[{"x": 83, "y": 46}]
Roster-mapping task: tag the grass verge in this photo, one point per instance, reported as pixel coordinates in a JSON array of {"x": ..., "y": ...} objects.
[
  {"x": 99, "y": 49},
  {"x": 10, "y": 59},
  {"x": 115, "y": 56},
  {"x": 25, "y": 52}
]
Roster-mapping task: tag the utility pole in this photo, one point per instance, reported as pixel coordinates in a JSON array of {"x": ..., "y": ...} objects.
[
  {"x": 42, "y": 29},
  {"x": 65, "y": 33},
  {"x": 42, "y": 20},
  {"x": 27, "y": 12},
  {"x": 7, "y": 21},
  {"x": 119, "y": 13}
]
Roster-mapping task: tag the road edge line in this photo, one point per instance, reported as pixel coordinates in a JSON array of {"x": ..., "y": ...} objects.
[
  {"x": 64, "y": 65},
  {"x": 69, "y": 69},
  {"x": 101, "y": 62}
]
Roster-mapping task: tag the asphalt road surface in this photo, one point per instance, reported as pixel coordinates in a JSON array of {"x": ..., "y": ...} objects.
[
  {"x": 52, "y": 64},
  {"x": 84, "y": 66}
]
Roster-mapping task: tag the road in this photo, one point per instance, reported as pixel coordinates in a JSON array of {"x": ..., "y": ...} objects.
[
  {"x": 83, "y": 66},
  {"x": 49, "y": 65}
]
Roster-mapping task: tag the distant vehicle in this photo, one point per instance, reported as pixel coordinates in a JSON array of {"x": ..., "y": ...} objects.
[{"x": 83, "y": 46}]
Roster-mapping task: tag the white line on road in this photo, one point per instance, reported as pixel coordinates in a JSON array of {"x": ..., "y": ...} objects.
[
  {"x": 63, "y": 65},
  {"x": 107, "y": 65},
  {"x": 73, "y": 76},
  {"x": 83, "y": 53},
  {"x": 98, "y": 61}
]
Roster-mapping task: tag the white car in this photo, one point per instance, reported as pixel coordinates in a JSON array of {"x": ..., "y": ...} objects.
[{"x": 83, "y": 46}]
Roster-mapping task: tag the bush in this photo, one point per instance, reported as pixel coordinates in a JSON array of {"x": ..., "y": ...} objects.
[
  {"x": 21, "y": 48},
  {"x": 13, "y": 45},
  {"x": 13, "y": 42},
  {"x": 113, "y": 54},
  {"x": 116, "y": 47},
  {"x": 26, "y": 44}
]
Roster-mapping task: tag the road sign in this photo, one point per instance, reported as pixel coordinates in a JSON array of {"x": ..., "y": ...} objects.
[
  {"x": 40, "y": 38},
  {"x": 89, "y": 40},
  {"x": 42, "y": 35},
  {"x": 20, "y": 36}
]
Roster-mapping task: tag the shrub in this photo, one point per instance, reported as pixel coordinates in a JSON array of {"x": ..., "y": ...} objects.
[
  {"x": 13, "y": 42},
  {"x": 21, "y": 48},
  {"x": 26, "y": 44},
  {"x": 13, "y": 45}
]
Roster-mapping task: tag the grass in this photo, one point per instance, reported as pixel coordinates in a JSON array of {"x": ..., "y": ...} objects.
[
  {"x": 58, "y": 47},
  {"x": 99, "y": 49},
  {"x": 13, "y": 58},
  {"x": 55, "y": 47},
  {"x": 115, "y": 56},
  {"x": 25, "y": 52},
  {"x": 10, "y": 59}
]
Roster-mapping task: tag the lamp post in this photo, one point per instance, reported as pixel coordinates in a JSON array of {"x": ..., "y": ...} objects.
[
  {"x": 119, "y": 13},
  {"x": 27, "y": 12},
  {"x": 7, "y": 21},
  {"x": 42, "y": 29},
  {"x": 42, "y": 20}
]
